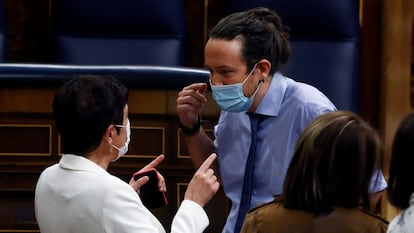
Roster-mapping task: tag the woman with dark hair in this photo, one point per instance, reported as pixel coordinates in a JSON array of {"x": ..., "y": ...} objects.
[
  {"x": 79, "y": 195},
  {"x": 326, "y": 188},
  {"x": 401, "y": 186}
]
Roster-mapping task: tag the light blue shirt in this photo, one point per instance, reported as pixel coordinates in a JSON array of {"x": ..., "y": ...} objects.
[{"x": 291, "y": 106}]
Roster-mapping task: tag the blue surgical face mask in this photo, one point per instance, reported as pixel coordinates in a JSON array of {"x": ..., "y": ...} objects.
[{"x": 230, "y": 98}]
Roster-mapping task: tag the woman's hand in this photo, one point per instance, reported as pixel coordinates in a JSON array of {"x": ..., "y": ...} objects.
[
  {"x": 204, "y": 185},
  {"x": 137, "y": 184}
]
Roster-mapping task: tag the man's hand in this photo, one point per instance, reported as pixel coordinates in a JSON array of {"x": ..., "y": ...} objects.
[{"x": 190, "y": 103}]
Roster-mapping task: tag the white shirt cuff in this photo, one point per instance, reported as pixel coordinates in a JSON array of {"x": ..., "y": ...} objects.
[{"x": 190, "y": 217}]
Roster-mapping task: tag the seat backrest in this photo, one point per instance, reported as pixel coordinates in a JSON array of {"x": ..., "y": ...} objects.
[
  {"x": 118, "y": 32},
  {"x": 325, "y": 39},
  {"x": 134, "y": 76}
]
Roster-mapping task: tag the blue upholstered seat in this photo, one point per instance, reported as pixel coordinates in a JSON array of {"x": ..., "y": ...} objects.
[{"x": 119, "y": 32}]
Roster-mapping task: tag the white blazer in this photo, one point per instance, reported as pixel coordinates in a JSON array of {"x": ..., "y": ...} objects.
[{"x": 77, "y": 195}]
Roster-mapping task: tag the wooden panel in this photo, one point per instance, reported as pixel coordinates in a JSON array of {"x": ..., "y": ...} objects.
[
  {"x": 146, "y": 142},
  {"x": 217, "y": 209},
  {"x": 370, "y": 61},
  {"x": 37, "y": 100},
  {"x": 15, "y": 180},
  {"x": 397, "y": 23},
  {"x": 16, "y": 212},
  {"x": 31, "y": 140},
  {"x": 147, "y": 101},
  {"x": 182, "y": 152}
]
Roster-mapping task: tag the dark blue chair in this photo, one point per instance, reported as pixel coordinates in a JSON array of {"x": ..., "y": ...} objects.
[
  {"x": 325, "y": 39},
  {"x": 119, "y": 32}
]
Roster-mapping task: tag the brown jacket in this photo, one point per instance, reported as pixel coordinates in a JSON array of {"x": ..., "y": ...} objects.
[{"x": 273, "y": 217}]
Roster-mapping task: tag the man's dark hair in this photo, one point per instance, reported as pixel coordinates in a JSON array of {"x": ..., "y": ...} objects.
[{"x": 262, "y": 33}]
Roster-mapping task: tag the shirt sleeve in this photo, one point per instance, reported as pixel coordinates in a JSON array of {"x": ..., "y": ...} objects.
[
  {"x": 190, "y": 218},
  {"x": 124, "y": 212}
]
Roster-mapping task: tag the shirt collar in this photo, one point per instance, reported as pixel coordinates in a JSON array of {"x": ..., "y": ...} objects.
[
  {"x": 274, "y": 96},
  {"x": 80, "y": 163}
]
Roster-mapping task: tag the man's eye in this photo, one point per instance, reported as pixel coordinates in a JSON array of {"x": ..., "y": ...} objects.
[{"x": 225, "y": 72}]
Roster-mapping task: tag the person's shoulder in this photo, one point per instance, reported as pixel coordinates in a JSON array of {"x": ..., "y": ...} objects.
[
  {"x": 358, "y": 215},
  {"x": 402, "y": 222},
  {"x": 350, "y": 220},
  {"x": 374, "y": 217},
  {"x": 265, "y": 206},
  {"x": 49, "y": 169},
  {"x": 374, "y": 221},
  {"x": 307, "y": 95},
  {"x": 300, "y": 87}
]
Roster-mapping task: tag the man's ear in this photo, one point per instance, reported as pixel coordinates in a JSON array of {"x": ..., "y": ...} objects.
[{"x": 264, "y": 66}]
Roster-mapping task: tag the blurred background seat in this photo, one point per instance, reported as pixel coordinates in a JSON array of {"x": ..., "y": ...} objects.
[
  {"x": 325, "y": 39},
  {"x": 118, "y": 32}
]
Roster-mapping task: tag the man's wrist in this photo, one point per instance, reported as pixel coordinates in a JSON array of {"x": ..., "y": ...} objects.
[{"x": 190, "y": 131}]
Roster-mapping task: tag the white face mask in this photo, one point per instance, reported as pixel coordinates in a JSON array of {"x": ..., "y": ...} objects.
[{"x": 123, "y": 149}]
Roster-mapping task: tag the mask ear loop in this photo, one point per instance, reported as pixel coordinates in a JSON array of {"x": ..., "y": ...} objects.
[
  {"x": 260, "y": 82},
  {"x": 250, "y": 74},
  {"x": 257, "y": 89},
  {"x": 116, "y": 147}
]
